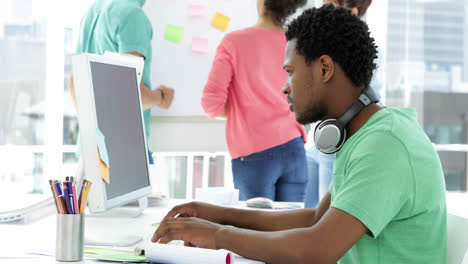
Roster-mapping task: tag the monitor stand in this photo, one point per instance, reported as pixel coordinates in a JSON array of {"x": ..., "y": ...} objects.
[
  {"x": 117, "y": 227},
  {"x": 124, "y": 211}
]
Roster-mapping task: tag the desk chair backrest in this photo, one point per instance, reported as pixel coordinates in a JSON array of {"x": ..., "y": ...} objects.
[{"x": 457, "y": 244}]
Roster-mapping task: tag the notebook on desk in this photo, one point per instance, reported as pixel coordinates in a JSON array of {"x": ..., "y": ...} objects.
[
  {"x": 177, "y": 253},
  {"x": 174, "y": 252}
]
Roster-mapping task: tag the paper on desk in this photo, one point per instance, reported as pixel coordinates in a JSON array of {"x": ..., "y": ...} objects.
[{"x": 171, "y": 254}]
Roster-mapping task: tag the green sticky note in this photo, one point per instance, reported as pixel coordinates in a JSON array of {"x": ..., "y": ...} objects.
[{"x": 174, "y": 33}]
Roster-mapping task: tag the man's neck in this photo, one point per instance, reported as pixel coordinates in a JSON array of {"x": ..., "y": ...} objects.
[{"x": 361, "y": 119}]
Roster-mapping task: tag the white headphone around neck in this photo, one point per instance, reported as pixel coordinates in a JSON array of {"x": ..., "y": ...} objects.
[{"x": 330, "y": 134}]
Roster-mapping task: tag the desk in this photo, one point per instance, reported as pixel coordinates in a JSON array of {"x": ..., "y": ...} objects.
[{"x": 17, "y": 241}]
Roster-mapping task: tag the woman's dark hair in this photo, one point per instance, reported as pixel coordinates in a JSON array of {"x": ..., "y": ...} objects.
[
  {"x": 361, "y": 5},
  {"x": 336, "y": 32},
  {"x": 282, "y": 9}
]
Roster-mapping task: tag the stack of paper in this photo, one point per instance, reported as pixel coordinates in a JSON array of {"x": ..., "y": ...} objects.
[{"x": 163, "y": 253}]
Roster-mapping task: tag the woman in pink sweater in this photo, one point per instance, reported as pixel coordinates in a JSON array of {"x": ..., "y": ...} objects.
[{"x": 265, "y": 141}]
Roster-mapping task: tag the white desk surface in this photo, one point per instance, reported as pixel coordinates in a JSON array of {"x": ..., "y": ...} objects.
[{"x": 18, "y": 241}]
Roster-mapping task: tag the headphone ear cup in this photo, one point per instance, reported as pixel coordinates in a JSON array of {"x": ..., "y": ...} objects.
[{"x": 329, "y": 137}]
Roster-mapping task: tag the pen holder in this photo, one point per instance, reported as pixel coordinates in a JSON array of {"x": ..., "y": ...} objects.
[{"x": 70, "y": 237}]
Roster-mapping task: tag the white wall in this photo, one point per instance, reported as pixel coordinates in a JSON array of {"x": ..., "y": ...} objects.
[{"x": 187, "y": 134}]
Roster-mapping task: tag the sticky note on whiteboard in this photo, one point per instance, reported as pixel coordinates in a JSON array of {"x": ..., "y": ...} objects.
[
  {"x": 221, "y": 21},
  {"x": 196, "y": 10},
  {"x": 174, "y": 33},
  {"x": 199, "y": 45}
]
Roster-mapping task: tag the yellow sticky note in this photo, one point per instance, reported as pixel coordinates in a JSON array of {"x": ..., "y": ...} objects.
[
  {"x": 220, "y": 21},
  {"x": 104, "y": 171}
]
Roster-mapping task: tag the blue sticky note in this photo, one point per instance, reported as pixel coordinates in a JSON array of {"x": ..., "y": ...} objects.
[{"x": 101, "y": 141}]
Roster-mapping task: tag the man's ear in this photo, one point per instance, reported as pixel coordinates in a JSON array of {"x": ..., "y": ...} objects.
[
  {"x": 354, "y": 11},
  {"x": 327, "y": 68}
]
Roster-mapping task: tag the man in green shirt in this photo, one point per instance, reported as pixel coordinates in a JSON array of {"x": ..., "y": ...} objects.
[
  {"x": 386, "y": 203},
  {"x": 122, "y": 26}
]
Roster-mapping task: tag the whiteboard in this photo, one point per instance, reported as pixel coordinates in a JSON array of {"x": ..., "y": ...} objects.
[{"x": 175, "y": 64}]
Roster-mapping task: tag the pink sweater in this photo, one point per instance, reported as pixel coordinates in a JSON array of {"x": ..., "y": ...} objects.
[{"x": 247, "y": 78}]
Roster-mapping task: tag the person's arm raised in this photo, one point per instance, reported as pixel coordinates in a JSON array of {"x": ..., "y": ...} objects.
[{"x": 161, "y": 97}]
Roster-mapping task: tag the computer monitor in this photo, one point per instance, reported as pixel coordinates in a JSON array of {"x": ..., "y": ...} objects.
[{"x": 108, "y": 98}]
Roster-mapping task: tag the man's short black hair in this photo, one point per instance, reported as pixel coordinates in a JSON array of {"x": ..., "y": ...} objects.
[
  {"x": 282, "y": 9},
  {"x": 336, "y": 32}
]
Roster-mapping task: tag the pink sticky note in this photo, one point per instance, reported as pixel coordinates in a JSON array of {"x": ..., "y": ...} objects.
[
  {"x": 200, "y": 45},
  {"x": 196, "y": 10}
]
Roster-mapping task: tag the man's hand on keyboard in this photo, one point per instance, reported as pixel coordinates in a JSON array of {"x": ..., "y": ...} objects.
[
  {"x": 193, "y": 231},
  {"x": 200, "y": 210}
]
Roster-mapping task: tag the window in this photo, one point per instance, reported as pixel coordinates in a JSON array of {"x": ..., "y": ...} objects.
[
  {"x": 36, "y": 38},
  {"x": 38, "y": 124},
  {"x": 423, "y": 57},
  {"x": 179, "y": 174},
  {"x": 424, "y": 48},
  {"x": 23, "y": 81}
]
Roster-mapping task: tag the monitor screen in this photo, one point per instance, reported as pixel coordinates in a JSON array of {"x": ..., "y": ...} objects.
[{"x": 116, "y": 91}]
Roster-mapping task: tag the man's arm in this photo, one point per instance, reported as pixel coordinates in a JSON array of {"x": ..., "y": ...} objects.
[
  {"x": 260, "y": 220},
  {"x": 161, "y": 97},
  {"x": 71, "y": 86},
  {"x": 149, "y": 98},
  {"x": 293, "y": 236},
  {"x": 275, "y": 220},
  {"x": 325, "y": 242}
]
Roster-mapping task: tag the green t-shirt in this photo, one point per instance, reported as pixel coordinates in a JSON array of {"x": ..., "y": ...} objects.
[
  {"x": 118, "y": 26},
  {"x": 388, "y": 175}
]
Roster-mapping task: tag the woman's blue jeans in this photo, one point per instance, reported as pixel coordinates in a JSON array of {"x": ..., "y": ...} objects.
[{"x": 278, "y": 173}]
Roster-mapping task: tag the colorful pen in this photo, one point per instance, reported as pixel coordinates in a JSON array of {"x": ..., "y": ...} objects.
[
  {"x": 70, "y": 196},
  {"x": 54, "y": 195},
  {"x": 75, "y": 202},
  {"x": 66, "y": 196},
  {"x": 84, "y": 197}
]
